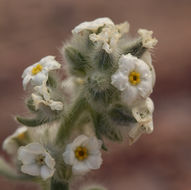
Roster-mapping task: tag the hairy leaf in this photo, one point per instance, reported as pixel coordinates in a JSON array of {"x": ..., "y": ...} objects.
[
  {"x": 136, "y": 50},
  {"x": 121, "y": 115},
  {"x": 78, "y": 62}
]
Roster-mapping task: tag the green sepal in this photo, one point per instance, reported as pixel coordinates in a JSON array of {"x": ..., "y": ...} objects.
[
  {"x": 78, "y": 62},
  {"x": 32, "y": 122},
  {"x": 35, "y": 122},
  {"x": 30, "y": 105},
  {"x": 103, "y": 127},
  {"x": 104, "y": 60},
  {"x": 100, "y": 88},
  {"x": 51, "y": 82},
  {"x": 104, "y": 96},
  {"x": 57, "y": 185},
  {"x": 121, "y": 115},
  {"x": 136, "y": 49}
]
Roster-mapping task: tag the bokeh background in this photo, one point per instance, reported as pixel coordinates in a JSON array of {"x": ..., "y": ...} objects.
[{"x": 32, "y": 29}]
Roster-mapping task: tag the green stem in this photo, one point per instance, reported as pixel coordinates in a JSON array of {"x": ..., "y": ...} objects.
[
  {"x": 56, "y": 185},
  {"x": 70, "y": 119},
  {"x": 45, "y": 185}
]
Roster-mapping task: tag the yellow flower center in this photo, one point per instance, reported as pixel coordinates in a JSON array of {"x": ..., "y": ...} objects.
[
  {"x": 21, "y": 136},
  {"x": 37, "y": 69},
  {"x": 81, "y": 153},
  {"x": 134, "y": 78}
]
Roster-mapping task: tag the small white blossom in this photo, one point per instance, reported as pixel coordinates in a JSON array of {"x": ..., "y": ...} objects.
[
  {"x": 83, "y": 154},
  {"x": 109, "y": 37},
  {"x": 147, "y": 39},
  {"x": 92, "y": 25},
  {"x": 42, "y": 96},
  {"x": 38, "y": 72},
  {"x": 143, "y": 114},
  {"x": 137, "y": 130},
  {"x": 123, "y": 28},
  {"x": 36, "y": 161},
  {"x": 133, "y": 78},
  {"x": 143, "y": 111},
  {"x": 11, "y": 143}
]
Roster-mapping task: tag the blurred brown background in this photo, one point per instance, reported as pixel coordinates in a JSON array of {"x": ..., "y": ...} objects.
[{"x": 31, "y": 29}]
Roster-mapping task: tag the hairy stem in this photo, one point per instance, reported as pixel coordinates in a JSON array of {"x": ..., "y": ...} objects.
[{"x": 69, "y": 120}]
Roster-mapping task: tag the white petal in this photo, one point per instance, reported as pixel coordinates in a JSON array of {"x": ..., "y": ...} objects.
[
  {"x": 10, "y": 145},
  {"x": 26, "y": 156},
  {"x": 35, "y": 148},
  {"x": 49, "y": 63},
  {"x": 130, "y": 95},
  {"x": 32, "y": 169},
  {"x": 127, "y": 63},
  {"x": 39, "y": 78},
  {"x": 135, "y": 133},
  {"x": 50, "y": 162},
  {"x": 69, "y": 157},
  {"x": 119, "y": 80},
  {"x": 92, "y": 25},
  {"x": 94, "y": 161},
  {"x": 149, "y": 127},
  {"x": 93, "y": 145},
  {"x": 145, "y": 88},
  {"x": 142, "y": 68},
  {"x": 26, "y": 80},
  {"x": 37, "y": 100},
  {"x": 142, "y": 113},
  {"x": 46, "y": 172},
  {"x": 78, "y": 141},
  {"x": 147, "y": 39},
  {"x": 123, "y": 27},
  {"x": 28, "y": 70},
  {"x": 80, "y": 168},
  {"x": 150, "y": 105},
  {"x": 56, "y": 105}
]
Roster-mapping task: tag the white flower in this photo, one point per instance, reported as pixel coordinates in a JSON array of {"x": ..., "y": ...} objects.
[
  {"x": 83, "y": 154},
  {"x": 143, "y": 111},
  {"x": 42, "y": 96},
  {"x": 143, "y": 114},
  {"x": 36, "y": 161},
  {"x": 38, "y": 72},
  {"x": 133, "y": 78},
  {"x": 147, "y": 39},
  {"x": 11, "y": 143},
  {"x": 137, "y": 130},
  {"x": 123, "y": 28},
  {"x": 109, "y": 37},
  {"x": 92, "y": 25}
]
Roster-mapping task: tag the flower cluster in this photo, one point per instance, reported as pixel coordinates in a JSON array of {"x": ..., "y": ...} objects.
[{"x": 110, "y": 77}]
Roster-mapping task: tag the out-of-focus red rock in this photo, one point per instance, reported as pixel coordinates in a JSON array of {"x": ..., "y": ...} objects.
[{"x": 32, "y": 29}]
